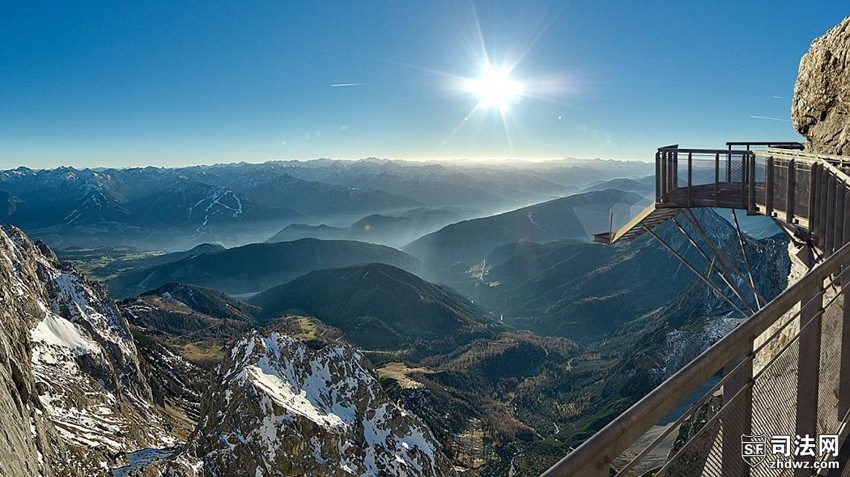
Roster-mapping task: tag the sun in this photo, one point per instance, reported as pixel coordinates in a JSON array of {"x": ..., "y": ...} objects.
[{"x": 495, "y": 88}]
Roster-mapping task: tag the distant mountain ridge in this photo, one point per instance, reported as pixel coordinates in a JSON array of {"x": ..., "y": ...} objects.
[
  {"x": 242, "y": 203},
  {"x": 134, "y": 205},
  {"x": 393, "y": 230},
  {"x": 257, "y": 267},
  {"x": 456, "y": 247}
]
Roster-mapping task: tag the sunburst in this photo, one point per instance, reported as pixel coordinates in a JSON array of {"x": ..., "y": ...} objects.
[{"x": 495, "y": 88}]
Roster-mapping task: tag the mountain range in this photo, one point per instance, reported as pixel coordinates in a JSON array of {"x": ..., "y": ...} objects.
[{"x": 245, "y": 203}]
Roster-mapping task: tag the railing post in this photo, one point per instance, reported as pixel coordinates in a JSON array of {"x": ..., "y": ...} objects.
[
  {"x": 808, "y": 366},
  {"x": 659, "y": 177},
  {"x": 674, "y": 170},
  {"x": 823, "y": 204},
  {"x": 729, "y": 165},
  {"x": 737, "y": 419},
  {"x": 744, "y": 165},
  {"x": 829, "y": 218},
  {"x": 839, "y": 218},
  {"x": 664, "y": 179},
  {"x": 751, "y": 200},
  {"x": 768, "y": 187},
  {"x": 717, "y": 179},
  {"x": 846, "y": 238},
  {"x": 789, "y": 192},
  {"x": 690, "y": 175},
  {"x": 814, "y": 183}
]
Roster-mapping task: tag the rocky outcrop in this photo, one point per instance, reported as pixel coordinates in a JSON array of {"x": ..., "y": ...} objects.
[
  {"x": 283, "y": 407},
  {"x": 73, "y": 399},
  {"x": 821, "y": 107},
  {"x": 32, "y": 445}
]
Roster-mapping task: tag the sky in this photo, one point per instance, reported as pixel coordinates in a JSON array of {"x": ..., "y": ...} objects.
[{"x": 135, "y": 83}]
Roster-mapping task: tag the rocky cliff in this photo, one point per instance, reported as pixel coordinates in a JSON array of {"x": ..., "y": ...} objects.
[
  {"x": 821, "y": 107},
  {"x": 75, "y": 401},
  {"x": 281, "y": 407}
]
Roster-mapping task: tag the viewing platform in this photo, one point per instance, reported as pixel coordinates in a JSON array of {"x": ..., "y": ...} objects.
[
  {"x": 774, "y": 179},
  {"x": 782, "y": 373}
]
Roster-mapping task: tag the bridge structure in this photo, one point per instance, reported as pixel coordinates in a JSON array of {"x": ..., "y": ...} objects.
[{"x": 772, "y": 397}]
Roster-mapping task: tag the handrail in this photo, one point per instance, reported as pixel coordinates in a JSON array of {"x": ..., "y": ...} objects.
[
  {"x": 595, "y": 454},
  {"x": 807, "y": 156},
  {"x": 779, "y": 144},
  {"x": 734, "y": 152}
]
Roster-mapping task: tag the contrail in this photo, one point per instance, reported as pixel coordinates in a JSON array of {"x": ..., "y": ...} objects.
[
  {"x": 771, "y": 119},
  {"x": 780, "y": 97},
  {"x": 345, "y": 85}
]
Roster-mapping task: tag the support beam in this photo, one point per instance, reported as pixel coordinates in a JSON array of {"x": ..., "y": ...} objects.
[
  {"x": 759, "y": 299},
  {"x": 727, "y": 265},
  {"x": 696, "y": 272},
  {"x": 712, "y": 262}
]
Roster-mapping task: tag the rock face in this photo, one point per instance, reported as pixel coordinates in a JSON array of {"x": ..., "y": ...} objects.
[
  {"x": 821, "y": 107},
  {"x": 281, "y": 407},
  {"x": 73, "y": 400}
]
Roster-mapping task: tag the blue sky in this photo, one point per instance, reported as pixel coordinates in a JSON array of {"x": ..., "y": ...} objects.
[{"x": 124, "y": 83}]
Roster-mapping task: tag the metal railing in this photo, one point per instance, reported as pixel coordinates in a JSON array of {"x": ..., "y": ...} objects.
[
  {"x": 806, "y": 191},
  {"x": 702, "y": 177},
  {"x": 759, "y": 391},
  {"x": 756, "y": 389}
]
